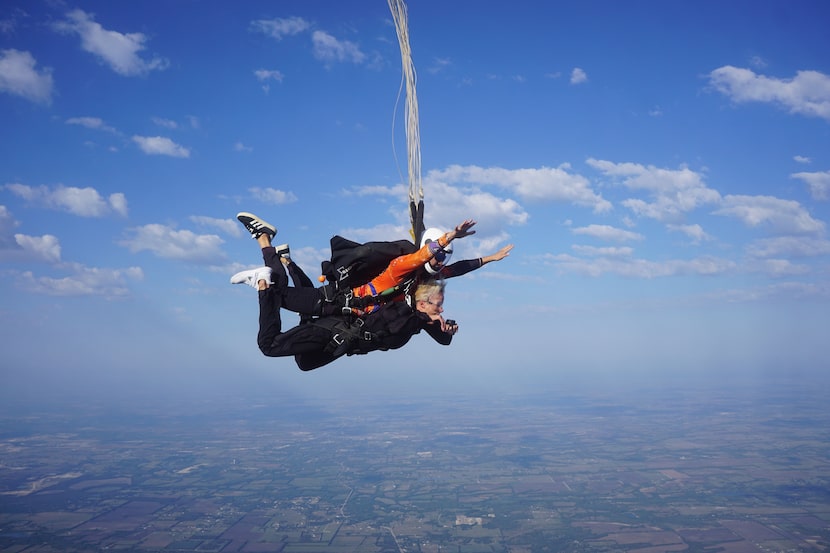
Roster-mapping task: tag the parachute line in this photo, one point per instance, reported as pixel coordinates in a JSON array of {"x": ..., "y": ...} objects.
[{"x": 413, "y": 133}]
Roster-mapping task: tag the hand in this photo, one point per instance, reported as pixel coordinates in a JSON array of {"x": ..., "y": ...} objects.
[
  {"x": 449, "y": 326},
  {"x": 499, "y": 255},
  {"x": 462, "y": 230}
]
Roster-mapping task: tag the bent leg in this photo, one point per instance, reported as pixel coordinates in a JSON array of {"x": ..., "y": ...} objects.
[
  {"x": 270, "y": 325},
  {"x": 298, "y": 276},
  {"x": 301, "y": 280},
  {"x": 272, "y": 260},
  {"x": 298, "y": 341},
  {"x": 304, "y": 300},
  {"x": 313, "y": 360}
]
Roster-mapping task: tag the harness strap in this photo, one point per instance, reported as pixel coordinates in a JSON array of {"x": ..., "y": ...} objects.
[{"x": 344, "y": 335}]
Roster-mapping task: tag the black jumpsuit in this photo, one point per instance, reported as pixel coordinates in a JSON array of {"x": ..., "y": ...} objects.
[{"x": 389, "y": 327}]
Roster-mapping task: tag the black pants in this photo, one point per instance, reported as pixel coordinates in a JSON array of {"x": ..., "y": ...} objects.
[
  {"x": 306, "y": 342},
  {"x": 298, "y": 276}
]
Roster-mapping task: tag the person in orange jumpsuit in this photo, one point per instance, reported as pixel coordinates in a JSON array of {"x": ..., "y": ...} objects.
[
  {"x": 318, "y": 303},
  {"x": 402, "y": 267}
]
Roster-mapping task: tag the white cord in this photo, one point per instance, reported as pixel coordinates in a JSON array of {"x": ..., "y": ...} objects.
[{"x": 413, "y": 133}]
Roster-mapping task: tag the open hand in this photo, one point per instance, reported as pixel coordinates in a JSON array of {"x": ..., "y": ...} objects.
[
  {"x": 463, "y": 229},
  {"x": 501, "y": 254}
]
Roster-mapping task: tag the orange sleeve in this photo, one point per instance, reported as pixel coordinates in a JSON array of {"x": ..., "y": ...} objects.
[{"x": 397, "y": 271}]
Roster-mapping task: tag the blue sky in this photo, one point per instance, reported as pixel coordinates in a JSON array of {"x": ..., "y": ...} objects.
[{"x": 663, "y": 169}]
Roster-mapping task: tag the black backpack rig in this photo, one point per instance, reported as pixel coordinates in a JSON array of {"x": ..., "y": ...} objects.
[{"x": 353, "y": 264}]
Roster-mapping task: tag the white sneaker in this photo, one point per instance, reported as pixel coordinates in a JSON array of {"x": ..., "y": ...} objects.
[{"x": 251, "y": 277}]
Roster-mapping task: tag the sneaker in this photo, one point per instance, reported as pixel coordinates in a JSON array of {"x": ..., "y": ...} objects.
[
  {"x": 251, "y": 277},
  {"x": 284, "y": 251},
  {"x": 256, "y": 226}
]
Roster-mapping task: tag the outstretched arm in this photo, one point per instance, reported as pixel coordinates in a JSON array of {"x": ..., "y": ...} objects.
[
  {"x": 466, "y": 265},
  {"x": 400, "y": 267},
  {"x": 498, "y": 256},
  {"x": 462, "y": 230}
]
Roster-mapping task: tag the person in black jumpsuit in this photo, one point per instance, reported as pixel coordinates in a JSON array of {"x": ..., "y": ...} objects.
[{"x": 311, "y": 342}]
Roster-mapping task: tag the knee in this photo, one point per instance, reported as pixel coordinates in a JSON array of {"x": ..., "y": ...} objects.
[
  {"x": 304, "y": 366},
  {"x": 310, "y": 362}
]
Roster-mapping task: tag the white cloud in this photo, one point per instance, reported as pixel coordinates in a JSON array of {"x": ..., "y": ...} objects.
[
  {"x": 118, "y": 203},
  {"x": 279, "y": 28},
  {"x": 44, "y": 248},
  {"x": 789, "y": 290},
  {"x": 272, "y": 196},
  {"x": 328, "y": 49},
  {"x": 482, "y": 245},
  {"x": 578, "y": 76},
  {"x": 802, "y": 159},
  {"x": 9, "y": 23},
  {"x": 639, "y": 268},
  {"x": 452, "y": 205},
  {"x": 228, "y": 226},
  {"x": 84, "y": 202},
  {"x": 608, "y": 233},
  {"x": 398, "y": 191},
  {"x": 695, "y": 232},
  {"x": 85, "y": 281},
  {"x": 240, "y": 147},
  {"x": 546, "y": 183},
  {"x": 808, "y": 93},
  {"x": 675, "y": 191},
  {"x": 819, "y": 183},
  {"x": 160, "y": 145},
  {"x": 118, "y": 50},
  {"x": 325, "y": 47},
  {"x": 95, "y": 123},
  {"x": 776, "y": 268},
  {"x": 384, "y": 231},
  {"x": 781, "y": 215},
  {"x": 758, "y": 62},
  {"x": 269, "y": 75},
  {"x": 24, "y": 248},
  {"x": 593, "y": 251},
  {"x": 165, "y": 123},
  {"x": 20, "y": 77},
  {"x": 182, "y": 245},
  {"x": 265, "y": 75},
  {"x": 790, "y": 246},
  {"x": 438, "y": 65},
  {"x": 7, "y": 223}
]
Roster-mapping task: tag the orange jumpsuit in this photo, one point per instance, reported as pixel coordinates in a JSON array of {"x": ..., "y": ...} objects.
[{"x": 396, "y": 272}]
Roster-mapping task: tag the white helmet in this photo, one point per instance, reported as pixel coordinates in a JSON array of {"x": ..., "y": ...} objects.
[{"x": 432, "y": 235}]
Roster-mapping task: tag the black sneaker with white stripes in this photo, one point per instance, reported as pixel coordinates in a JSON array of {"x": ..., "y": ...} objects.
[
  {"x": 284, "y": 251},
  {"x": 256, "y": 226}
]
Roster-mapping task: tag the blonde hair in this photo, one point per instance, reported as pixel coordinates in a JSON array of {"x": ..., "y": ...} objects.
[{"x": 429, "y": 288}]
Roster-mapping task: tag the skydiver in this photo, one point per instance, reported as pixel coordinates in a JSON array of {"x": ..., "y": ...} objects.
[
  {"x": 365, "y": 296},
  {"x": 320, "y": 341}
]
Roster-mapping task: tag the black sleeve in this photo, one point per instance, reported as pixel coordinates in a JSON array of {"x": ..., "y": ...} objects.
[
  {"x": 461, "y": 267},
  {"x": 434, "y": 330}
]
